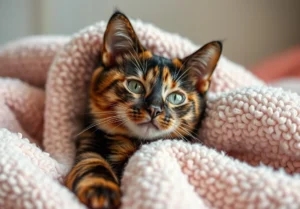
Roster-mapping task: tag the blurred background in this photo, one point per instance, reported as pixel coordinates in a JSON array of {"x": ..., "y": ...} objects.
[{"x": 253, "y": 30}]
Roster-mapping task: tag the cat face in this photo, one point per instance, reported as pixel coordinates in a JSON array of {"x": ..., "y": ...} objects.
[{"x": 142, "y": 95}]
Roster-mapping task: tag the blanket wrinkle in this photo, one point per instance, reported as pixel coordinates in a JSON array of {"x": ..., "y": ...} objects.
[
  {"x": 272, "y": 117},
  {"x": 29, "y": 59},
  {"x": 211, "y": 174},
  {"x": 247, "y": 154},
  {"x": 24, "y": 107}
]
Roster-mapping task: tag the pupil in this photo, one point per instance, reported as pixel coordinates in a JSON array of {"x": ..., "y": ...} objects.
[{"x": 135, "y": 86}]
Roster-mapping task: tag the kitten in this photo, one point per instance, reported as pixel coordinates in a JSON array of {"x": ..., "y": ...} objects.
[{"x": 135, "y": 97}]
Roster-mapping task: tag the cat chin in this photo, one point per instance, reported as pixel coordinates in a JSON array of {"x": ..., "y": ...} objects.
[{"x": 146, "y": 131}]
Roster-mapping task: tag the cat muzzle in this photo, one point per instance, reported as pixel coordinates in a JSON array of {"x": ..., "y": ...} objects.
[{"x": 154, "y": 111}]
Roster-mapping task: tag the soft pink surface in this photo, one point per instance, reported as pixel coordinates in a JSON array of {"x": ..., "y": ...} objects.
[
  {"x": 285, "y": 64},
  {"x": 245, "y": 119},
  {"x": 282, "y": 69}
]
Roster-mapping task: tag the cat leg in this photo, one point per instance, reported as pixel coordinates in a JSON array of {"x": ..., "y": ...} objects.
[{"x": 93, "y": 180}]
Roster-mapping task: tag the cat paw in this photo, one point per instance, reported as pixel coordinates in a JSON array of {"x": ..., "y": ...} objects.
[{"x": 100, "y": 195}]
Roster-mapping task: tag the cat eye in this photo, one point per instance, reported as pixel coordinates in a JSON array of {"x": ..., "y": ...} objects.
[
  {"x": 135, "y": 87},
  {"x": 176, "y": 98}
]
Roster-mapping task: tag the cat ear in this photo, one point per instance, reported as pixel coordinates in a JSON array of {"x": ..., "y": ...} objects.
[
  {"x": 119, "y": 38},
  {"x": 201, "y": 64}
]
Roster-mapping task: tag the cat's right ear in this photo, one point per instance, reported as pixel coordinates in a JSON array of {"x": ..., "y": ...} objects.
[{"x": 119, "y": 39}]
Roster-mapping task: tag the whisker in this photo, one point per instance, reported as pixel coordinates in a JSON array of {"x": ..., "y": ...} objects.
[
  {"x": 101, "y": 122},
  {"x": 185, "y": 139},
  {"x": 120, "y": 124},
  {"x": 104, "y": 111},
  {"x": 179, "y": 70},
  {"x": 109, "y": 119},
  {"x": 187, "y": 132},
  {"x": 141, "y": 64},
  {"x": 137, "y": 64},
  {"x": 107, "y": 113},
  {"x": 183, "y": 74},
  {"x": 86, "y": 129}
]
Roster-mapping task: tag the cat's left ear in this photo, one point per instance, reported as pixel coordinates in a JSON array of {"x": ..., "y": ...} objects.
[
  {"x": 202, "y": 63},
  {"x": 119, "y": 39}
]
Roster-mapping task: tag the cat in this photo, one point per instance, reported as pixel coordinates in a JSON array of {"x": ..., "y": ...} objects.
[{"x": 135, "y": 97}]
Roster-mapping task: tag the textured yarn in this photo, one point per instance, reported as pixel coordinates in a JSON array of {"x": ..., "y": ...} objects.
[{"x": 247, "y": 154}]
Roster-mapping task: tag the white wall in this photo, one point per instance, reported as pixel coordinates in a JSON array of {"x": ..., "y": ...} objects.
[
  {"x": 16, "y": 19},
  {"x": 253, "y": 29}
]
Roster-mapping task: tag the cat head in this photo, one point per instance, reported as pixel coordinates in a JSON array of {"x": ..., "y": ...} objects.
[{"x": 139, "y": 94}]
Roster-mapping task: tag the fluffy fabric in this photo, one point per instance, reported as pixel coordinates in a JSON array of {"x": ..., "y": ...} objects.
[{"x": 246, "y": 121}]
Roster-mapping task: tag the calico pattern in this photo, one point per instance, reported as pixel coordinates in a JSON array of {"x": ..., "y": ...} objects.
[{"x": 135, "y": 97}]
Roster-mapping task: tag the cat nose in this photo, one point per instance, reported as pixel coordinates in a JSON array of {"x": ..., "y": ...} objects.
[{"x": 154, "y": 110}]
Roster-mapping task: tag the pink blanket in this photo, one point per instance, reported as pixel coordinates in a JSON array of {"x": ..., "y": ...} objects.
[{"x": 251, "y": 135}]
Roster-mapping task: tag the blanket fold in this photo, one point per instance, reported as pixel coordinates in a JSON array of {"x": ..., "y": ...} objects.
[
  {"x": 247, "y": 124},
  {"x": 257, "y": 124},
  {"x": 22, "y": 108},
  {"x": 192, "y": 171},
  {"x": 29, "y": 59}
]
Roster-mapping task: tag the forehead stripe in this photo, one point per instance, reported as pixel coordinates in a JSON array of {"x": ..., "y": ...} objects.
[{"x": 166, "y": 73}]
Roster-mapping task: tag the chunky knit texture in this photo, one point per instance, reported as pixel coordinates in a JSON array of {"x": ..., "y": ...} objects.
[{"x": 246, "y": 124}]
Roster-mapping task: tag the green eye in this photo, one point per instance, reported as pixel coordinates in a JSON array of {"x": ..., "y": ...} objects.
[
  {"x": 135, "y": 86},
  {"x": 176, "y": 98}
]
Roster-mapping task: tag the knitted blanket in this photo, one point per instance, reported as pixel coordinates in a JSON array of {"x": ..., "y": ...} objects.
[{"x": 247, "y": 155}]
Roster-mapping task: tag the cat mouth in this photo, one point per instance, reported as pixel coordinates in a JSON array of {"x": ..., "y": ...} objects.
[
  {"x": 149, "y": 125},
  {"x": 148, "y": 130}
]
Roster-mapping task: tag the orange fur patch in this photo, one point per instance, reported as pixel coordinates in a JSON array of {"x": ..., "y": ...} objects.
[
  {"x": 145, "y": 55},
  {"x": 87, "y": 189},
  {"x": 177, "y": 63},
  {"x": 121, "y": 149},
  {"x": 90, "y": 161}
]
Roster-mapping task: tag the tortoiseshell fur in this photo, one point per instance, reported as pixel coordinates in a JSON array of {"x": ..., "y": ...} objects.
[{"x": 122, "y": 120}]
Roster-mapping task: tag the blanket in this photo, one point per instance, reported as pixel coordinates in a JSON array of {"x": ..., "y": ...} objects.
[{"x": 246, "y": 156}]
